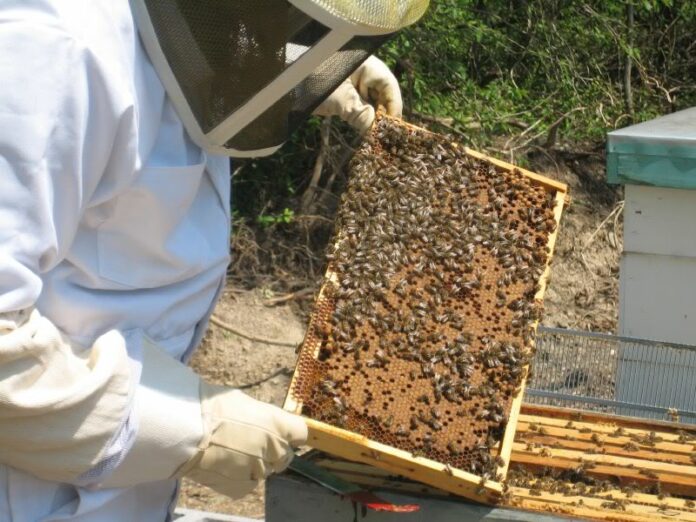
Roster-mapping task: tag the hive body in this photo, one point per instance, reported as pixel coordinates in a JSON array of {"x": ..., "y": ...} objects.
[{"x": 422, "y": 333}]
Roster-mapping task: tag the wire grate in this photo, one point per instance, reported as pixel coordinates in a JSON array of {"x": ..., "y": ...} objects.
[{"x": 611, "y": 374}]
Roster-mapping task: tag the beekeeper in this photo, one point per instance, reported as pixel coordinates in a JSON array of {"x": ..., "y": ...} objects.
[{"x": 116, "y": 121}]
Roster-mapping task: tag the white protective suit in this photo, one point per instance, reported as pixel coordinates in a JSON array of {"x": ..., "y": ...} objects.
[
  {"x": 114, "y": 232},
  {"x": 111, "y": 220}
]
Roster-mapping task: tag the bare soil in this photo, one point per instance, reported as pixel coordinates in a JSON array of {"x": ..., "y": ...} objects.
[{"x": 582, "y": 294}]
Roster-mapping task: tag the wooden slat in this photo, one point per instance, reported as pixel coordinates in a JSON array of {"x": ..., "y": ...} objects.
[
  {"x": 606, "y": 428},
  {"x": 351, "y": 446},
  {"x": 592, "y": 508},
  {"x": 610, "y": 445},
  {"x": 555, "y": 413},
  {"x": 606, "y": 449},
  {"x": 612, "y": 460},
  {"x": 673, "y": 478}
]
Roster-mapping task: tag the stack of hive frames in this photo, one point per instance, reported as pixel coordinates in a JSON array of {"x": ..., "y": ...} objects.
[
  {"x": 609, "y": 505},
  {"x": 551, "y": 485},
  {"x": 417, "y": 349},
  {"x": 634, "y": 454}
]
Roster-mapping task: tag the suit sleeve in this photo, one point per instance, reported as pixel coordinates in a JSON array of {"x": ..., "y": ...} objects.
[{"x": 60, "y": 404}]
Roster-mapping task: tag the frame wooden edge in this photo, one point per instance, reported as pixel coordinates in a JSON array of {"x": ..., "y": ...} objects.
[
  {"x": 348, "y": 445},
  {"x": 516, "y": 407},
  {"x": 591, "y": 508},
  {"x": 606, "y": 418},
  {"x": 291, "y": 404},
  {"x": 640, "y": 507},
  {"x": 542, "y": 180},
  {"x": 506, "y": 446}
]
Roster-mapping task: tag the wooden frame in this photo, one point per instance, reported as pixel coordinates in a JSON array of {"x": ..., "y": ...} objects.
[
  {"x": 638, "y": 507},
  {"x": 624, "y": 450},
  {"x": 345, "y": 444},
  {"x": 612, "y": 505}
]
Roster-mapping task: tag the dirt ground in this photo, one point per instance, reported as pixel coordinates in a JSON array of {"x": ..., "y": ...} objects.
[
  {"x": 582, "y": 295},
  {"x": 225, "y": 358}
]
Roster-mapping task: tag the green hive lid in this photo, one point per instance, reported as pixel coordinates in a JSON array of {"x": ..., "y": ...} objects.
[{"x": 659, "y": 152}]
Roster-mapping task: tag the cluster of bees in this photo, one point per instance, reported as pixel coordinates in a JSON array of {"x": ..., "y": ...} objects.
[
  {"x": 426, "y": 320},
  {"x": 578, "y": 483}
]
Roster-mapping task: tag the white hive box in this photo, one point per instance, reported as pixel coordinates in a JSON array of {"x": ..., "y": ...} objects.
[{"x": 656, "y": 161}]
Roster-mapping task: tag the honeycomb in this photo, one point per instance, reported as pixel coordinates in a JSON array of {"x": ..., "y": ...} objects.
[{"x": 422, "y": 333}]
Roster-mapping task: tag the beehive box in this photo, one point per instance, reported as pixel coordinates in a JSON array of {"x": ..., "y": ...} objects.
[
  {"x": 417, "y": 350},
  {"x": 602, "y": 467}
]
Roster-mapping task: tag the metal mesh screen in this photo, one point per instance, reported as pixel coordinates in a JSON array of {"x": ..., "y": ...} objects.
[
  {"x": 390, "y": 15},
  {"x": 223, "y": 53},
  {"x": 612, "y": 374},
  {"x": 307, "y": 96}
]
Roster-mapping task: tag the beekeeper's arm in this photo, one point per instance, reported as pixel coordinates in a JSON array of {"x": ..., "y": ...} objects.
[
  {"x": 371, "y": 84},
  {"x": 68, "y": 412}
]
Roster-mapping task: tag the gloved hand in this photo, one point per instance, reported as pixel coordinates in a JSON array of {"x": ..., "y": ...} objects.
[
  {"x": 245, "y": 441},
  {"x": 372, "y": 82},
  {"x": 214, "y": 435}
]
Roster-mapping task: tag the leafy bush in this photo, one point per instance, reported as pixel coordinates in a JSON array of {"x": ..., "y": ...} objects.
[{"x": 506, "y": 74}]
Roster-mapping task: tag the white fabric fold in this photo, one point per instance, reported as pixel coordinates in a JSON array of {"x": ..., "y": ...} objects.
[
  {"x": 170, "y": 427},
  {"x": 60, "y": 404}
]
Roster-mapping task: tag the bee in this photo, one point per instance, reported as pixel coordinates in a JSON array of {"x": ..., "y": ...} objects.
[
  {"x": 648, "y": 473},
  {"x": 586, "y": 465},
  {"x": 617, "y": 504},
  {"x": 328, "y": 386},
  {"x": 423, "y": 398}
]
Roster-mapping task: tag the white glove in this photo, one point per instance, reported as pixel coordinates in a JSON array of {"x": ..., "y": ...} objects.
[
  {"x": 372, "y": 82},
  {"x": 246, "y": 440},
  {"x": 216, "y": 436},
  {"x": 60, "y": 404}
]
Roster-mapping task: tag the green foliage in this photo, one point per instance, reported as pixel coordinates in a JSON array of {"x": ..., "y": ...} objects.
[
  {"x": 503, "y": 72},
  {"x": 286, "y": 216},
  {"x": 268, "y": 185},
  {"x": 490, "y": 65}
]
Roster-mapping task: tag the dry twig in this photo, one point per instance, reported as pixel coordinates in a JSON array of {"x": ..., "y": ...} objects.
[
  {"x": 617, "y": 209},
  {"x": 288, "y": 297},
  {"x": 226, "y": 326},
  {"x": 280, "y": 371}
]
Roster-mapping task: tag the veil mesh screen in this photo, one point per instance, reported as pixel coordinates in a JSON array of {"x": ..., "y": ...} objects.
[
  {"x": 301, "y": 101},
  {"x": 222, "y": 53}
]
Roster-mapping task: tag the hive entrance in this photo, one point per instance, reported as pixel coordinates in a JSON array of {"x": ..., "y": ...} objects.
[{"x": 421, "y": 336}]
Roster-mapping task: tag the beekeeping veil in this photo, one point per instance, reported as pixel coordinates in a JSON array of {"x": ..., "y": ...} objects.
[{"x": 243, "y": 74}]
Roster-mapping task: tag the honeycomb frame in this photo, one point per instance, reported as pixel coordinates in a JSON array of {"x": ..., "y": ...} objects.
[
  {"x": 545, "y": 486},
  {"x": 348, "y": 444}
]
